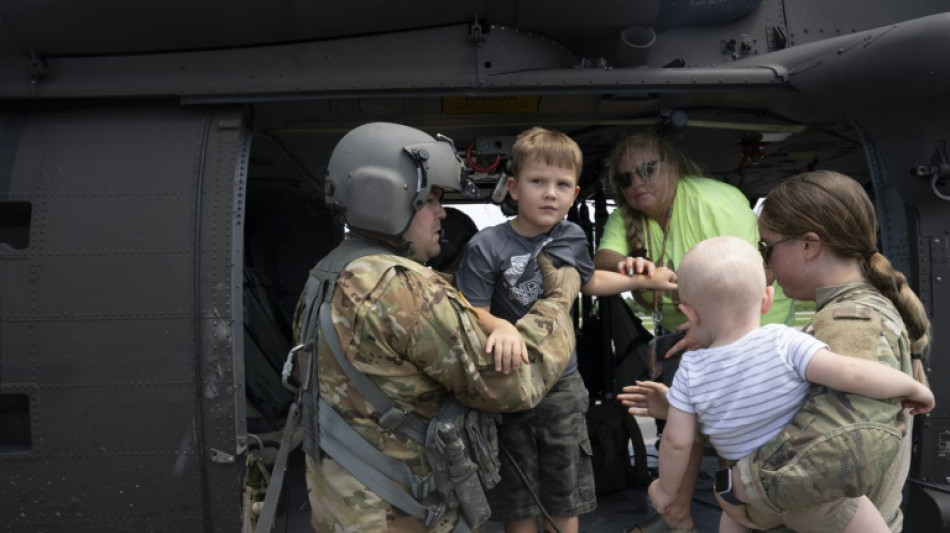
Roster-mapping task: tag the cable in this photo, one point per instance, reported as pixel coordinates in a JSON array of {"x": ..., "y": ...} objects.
[
  {"x": 527, "y": 485},
  {"x": 471, "y": 161}
]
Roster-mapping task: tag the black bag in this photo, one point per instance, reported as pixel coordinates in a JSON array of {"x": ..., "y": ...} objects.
[
  {"x": 611, "y": 431},
  {"x": 610, "y": 358}
]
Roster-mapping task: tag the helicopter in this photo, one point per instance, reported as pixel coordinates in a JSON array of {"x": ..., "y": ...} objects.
[{"x": 161, "y": 196}]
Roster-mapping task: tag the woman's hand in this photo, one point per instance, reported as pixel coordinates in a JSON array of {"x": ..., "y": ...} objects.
[
  {"x": 632, "y": 266},
  {"x": 739, "y": 513},
  {"x": 687, "y": 343},
  {"x": 646, "y": 398}
]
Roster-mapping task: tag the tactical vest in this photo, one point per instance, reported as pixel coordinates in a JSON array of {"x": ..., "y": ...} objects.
[{"x": 460, "y": 443}]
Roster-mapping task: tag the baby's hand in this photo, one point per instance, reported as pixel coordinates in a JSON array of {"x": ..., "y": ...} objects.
[
  {"x": 922, "y": 401},
  {"x": 646, "y": 398},
  {"x": 509, "y": 348}
]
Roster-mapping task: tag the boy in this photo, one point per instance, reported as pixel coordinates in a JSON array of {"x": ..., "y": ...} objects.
[
  {"x": 499, "y": 275},
  {"x": 752, "y": 380}
]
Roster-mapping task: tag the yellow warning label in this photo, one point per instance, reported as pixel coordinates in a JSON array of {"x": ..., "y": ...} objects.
[{"x": 490, "y": 105}]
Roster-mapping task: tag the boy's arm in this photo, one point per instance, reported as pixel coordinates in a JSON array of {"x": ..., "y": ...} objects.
[
  {"x": 504, "y": 340},
  {"x": 678, "y": 437},
  {"x": 607, "y": 283},
  {"x": 867, "y": 378}
]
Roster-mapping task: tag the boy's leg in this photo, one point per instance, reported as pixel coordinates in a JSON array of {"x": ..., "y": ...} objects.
[
  {"x": 564, "y": 524},
  {"x": 564, "y": 451},
  {"x": 527, "y": 525},
  {"x": 511, "y": 500},
  {"x": 867, "y": 519}
]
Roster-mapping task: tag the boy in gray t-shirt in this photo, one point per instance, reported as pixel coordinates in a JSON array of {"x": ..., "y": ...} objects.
[{"x": 500, "y": 277}]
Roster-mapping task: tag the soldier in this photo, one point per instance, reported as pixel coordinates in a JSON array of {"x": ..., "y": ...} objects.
[
  {"x": 387, "y": 448},
  {"x": 819, "y": 237}
]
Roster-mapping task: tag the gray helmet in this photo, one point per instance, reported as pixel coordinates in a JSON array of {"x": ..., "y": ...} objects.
[{"x": 380, "y": 174}]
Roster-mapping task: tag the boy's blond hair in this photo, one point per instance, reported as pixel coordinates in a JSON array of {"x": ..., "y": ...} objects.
[
  {"x": 722, "y": 274},
  {"x": 551, "y": 147}
]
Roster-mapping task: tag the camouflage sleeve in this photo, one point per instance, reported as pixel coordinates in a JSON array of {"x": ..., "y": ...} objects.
[{"x": 448, "y": 343}]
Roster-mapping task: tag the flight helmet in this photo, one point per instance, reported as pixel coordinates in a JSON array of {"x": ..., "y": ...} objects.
[{"x": 381, "y": 173}]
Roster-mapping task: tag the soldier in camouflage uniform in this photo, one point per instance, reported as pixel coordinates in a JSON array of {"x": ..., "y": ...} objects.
[
  {"x": 407, "y": 328},
  {"x": 819, "y": 238},
  {"x": 819, "y": 234}
]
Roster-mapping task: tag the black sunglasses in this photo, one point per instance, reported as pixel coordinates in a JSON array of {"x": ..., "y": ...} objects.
[
  {"x": 646, "y": 171},
  {"x": 766, "y": 249}
]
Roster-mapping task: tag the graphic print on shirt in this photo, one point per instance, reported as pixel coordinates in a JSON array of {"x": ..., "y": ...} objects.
[{"x": 528, "y": 291}]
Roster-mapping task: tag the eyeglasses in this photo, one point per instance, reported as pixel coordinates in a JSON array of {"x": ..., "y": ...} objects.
[
  {"x": 766, "y": 249},
  {"x": 646, "y": 172}
]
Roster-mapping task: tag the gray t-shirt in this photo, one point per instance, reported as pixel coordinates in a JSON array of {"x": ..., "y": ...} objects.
[{"x": 500, "y": 268}]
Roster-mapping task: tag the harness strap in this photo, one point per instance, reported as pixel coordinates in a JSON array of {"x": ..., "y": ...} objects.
[
  {"x": 347, "y": 447},
  {"x": 392, "y": 417},
  {"x": 269, "y": 510}
]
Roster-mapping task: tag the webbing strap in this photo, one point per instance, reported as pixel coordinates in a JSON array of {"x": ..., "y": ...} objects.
[
  {"x": 394, "y": 469},
  {"x": 375, "y": 469},
  {"x": 392, "y": 417},
  {"x": 269, "y": 510}
]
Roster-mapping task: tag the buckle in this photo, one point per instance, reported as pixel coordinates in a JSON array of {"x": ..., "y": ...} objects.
[
  {"x": 434, "y": 514},
  {"x": 393, "y": 417},
  {"x": 422, "y": 486},
  {"x": 288, "y": 370}
]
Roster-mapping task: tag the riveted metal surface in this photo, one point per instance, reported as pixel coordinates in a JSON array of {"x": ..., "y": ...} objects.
[{"x": 99, "y": 316}]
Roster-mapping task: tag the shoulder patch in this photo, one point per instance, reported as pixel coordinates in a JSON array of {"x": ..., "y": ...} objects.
[{"x": 852, "y": 312}]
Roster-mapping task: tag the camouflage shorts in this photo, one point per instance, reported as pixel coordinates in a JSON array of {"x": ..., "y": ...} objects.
[{"x": 551, "y": 446}]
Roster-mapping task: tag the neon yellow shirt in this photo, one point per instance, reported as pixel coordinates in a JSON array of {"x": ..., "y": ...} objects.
[{"x": 703, "y": 208}]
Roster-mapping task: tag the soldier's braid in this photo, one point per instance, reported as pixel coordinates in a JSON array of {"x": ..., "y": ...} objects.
[{"x": 893, "y": 284}]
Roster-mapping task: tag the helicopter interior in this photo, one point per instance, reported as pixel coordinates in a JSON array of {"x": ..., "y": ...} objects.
[{"x": 752, "y": 140}]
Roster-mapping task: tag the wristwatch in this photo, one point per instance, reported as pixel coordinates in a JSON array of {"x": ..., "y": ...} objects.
[{"x": 723, "y": 486}]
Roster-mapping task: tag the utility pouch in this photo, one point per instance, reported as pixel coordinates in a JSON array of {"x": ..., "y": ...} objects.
[
  {"x": 463, "y": 480},
  {"x": 456, "y": 443}
]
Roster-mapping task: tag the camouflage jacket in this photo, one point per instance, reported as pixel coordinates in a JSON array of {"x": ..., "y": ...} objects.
[
  {"x": 407, "y": 328},
  {"x": 856, "y": 320}
]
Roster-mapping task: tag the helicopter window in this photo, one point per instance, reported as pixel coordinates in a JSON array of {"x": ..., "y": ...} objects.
[
  {"x": 15, "y": 224},
  {"x": 15, "y": 433}
]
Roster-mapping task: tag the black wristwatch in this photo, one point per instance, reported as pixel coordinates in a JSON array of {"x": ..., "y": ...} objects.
[{"x": 723, "y": 486}]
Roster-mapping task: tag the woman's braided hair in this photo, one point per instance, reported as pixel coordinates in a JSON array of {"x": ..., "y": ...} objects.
[{"x": 838, "y": 209}]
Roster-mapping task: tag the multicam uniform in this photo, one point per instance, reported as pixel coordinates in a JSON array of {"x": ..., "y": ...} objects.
[
  {"x": 407, "y": 328},
  {"x": 801, "y": 476}
]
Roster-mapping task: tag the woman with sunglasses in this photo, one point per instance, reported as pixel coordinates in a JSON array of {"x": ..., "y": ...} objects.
[
  {"x": 819, "y": 240},
  {"x": 664, "y": 207}
]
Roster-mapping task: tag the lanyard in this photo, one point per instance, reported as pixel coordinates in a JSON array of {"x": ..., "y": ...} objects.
[{"x": 658, "y": 295}]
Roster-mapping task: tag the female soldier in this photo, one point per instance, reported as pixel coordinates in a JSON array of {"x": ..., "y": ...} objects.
[{"x": 819, "y": 239}]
